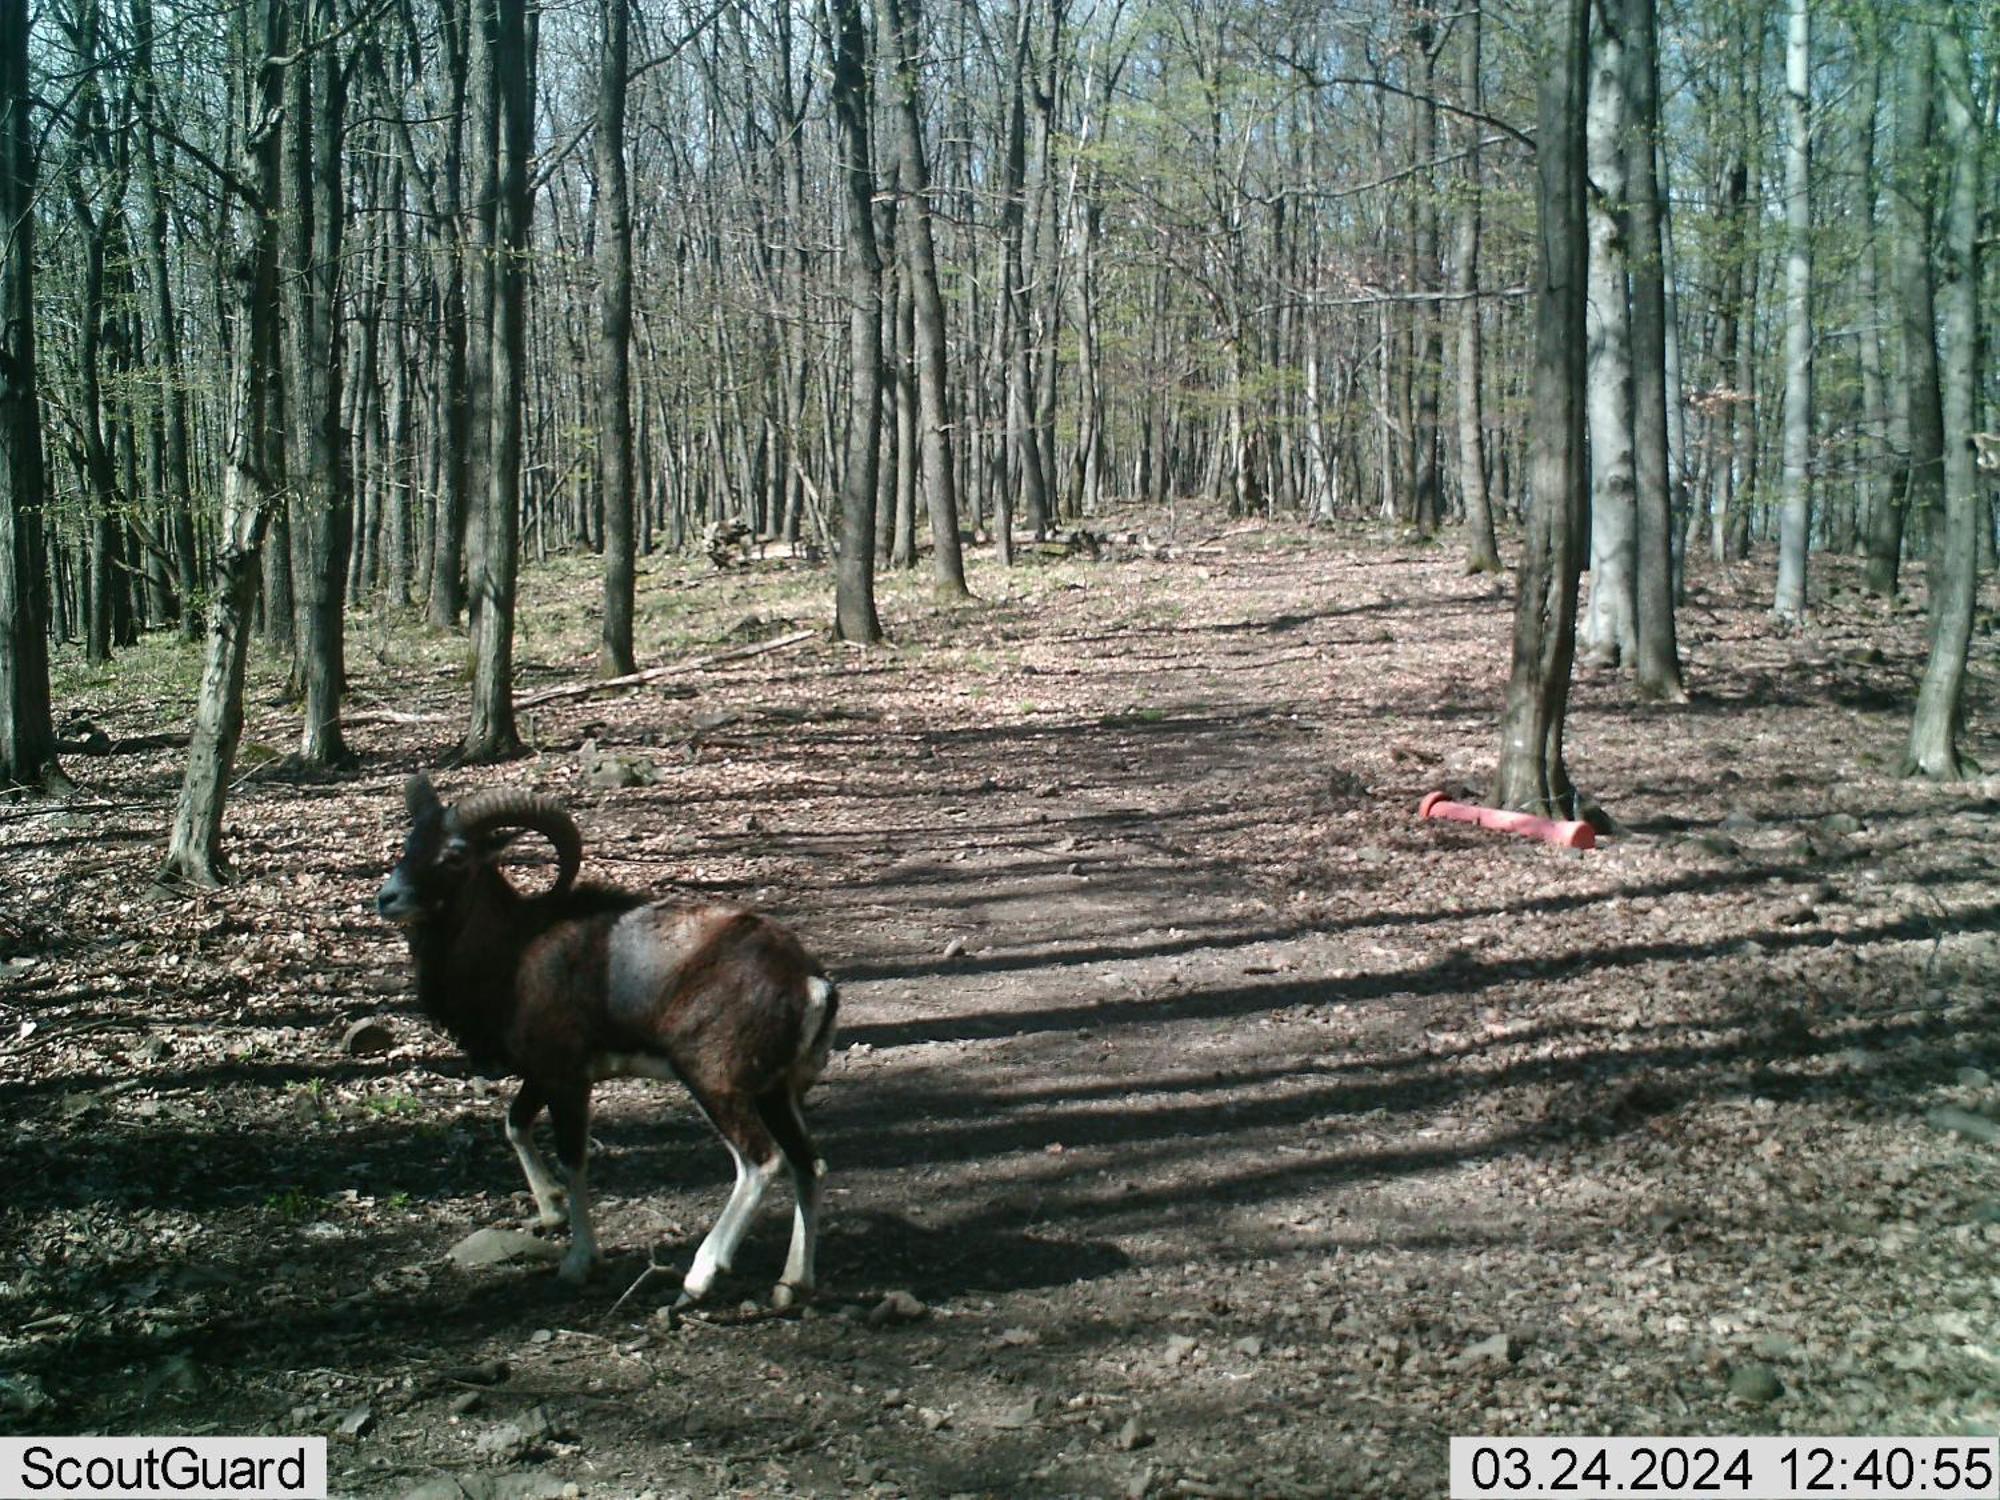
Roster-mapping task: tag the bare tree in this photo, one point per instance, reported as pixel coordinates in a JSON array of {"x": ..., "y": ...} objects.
[
  {"x": 502, "y": 26},
  {"x": 1795, "y": 514},
  {"x": 1934, "y": 729},
  {"x": 1657, "y": 660},
  {"x": 854, "y": 602},
  {"x": 614, "y": 350},
  {"x": 194, "y": 844},
  {"x": 27, "y": 737},
  {"x": 1532, "y": 775}
]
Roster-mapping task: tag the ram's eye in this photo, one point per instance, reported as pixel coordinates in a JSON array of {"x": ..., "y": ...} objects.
[{"x": 454, "y": 856}]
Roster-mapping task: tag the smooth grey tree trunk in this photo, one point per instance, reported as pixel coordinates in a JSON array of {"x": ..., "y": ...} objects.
[
  {"x": 1657, "y": 662},
  {"x": 1881, "y": 522},
  {"x": 1795, "y": 478},
  {"x": 1482, "y": 551},
  {"x": 854, "y": 577},
  {"x": 614, "y": 348},
  {"x": 1917, "y": 418},
  {"x": 1610, "y": 631},
  {"x": 1532, "y": 775},
  {"x": 1954, "y": 568},
  {"x": 491, "y": 734},
  {"x": 320, "y": 468}
]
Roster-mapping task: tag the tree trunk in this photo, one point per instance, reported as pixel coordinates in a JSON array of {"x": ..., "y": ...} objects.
[
  {"x": 1023, "y": 430},
  {"x": 1795, "y": 516},
  {"x": 930, "y": 329},
  {"x": 1428, "y": 341},
  {"x": 320, "y": 467},
  {"x": 1482, "y": 551},
  {"x": 1881, "y": 515},
  {"x": 1610, "y": 625},
  {"x": 1531, "y": 774},
  {"x": 614, "y": 348},
  {"x": 491, "y": 735},
  {"x": 1917, "y": 416},
  {"x": 1954, "y": 569},
  {"x": 194, "y": 845},
  {"x": 1657, "y": 663},
  {"x": 27, "y": 735},
  {"x": 854, "y": 582}
]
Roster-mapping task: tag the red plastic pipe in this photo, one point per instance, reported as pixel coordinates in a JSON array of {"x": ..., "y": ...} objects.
[{"x": 1548, "y": 830}]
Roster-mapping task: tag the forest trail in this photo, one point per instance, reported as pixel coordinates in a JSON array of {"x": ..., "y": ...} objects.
[{"x": 1223, "y": 1129}]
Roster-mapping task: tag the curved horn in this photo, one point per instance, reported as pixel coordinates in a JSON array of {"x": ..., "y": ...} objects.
[{"x": 507, "y": 807}]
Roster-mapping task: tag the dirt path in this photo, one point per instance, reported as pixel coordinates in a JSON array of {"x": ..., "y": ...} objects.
[{"x": 1226, "y": 1130}]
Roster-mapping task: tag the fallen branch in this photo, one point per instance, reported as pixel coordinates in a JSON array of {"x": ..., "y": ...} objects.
[{"x": 654, "y": 674}]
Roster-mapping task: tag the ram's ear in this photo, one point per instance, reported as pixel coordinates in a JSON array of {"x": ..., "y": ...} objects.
[{"x": 419, "y": 796}]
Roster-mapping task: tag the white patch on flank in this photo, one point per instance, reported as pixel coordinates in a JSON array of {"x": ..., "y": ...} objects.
[{"x": 644, "y": 956}]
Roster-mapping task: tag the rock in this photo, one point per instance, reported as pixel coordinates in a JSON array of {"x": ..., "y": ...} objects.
[
  {"x": 358, "y": 1422},
  {"x": 1131, "y": 1437},
  {"x": 1950, "y": 1121},
  {"x": 466, "y": 1402},
  {"x": 933, "y": 1419},
  {"x": 1774, "y": 1345},
  {"x": 369, "y": 1037},
  {"x": 1739, "y": 819},
  {"x": 1014, "y": 1418},
  {"x": 1719, "y": 843},
  {"x": 1974, "y": 1078},
  {"x": 1840, "y": 824},
  {"x": 897, "y": 1307},
  {"x": 484, "y": 1248},
  {"x": 608, "y": 770},
  {"x": 1180, "y": 1349},
  {"x": 485, "y": 1372},
  {"x": 1250, "y": 1345},
  {"x": 954, "y": 948},
  {"x": 510, "y": 1441},
  {"x": 1495, "y": 1352},
  {"x": 532, "y": 1485},
  {"x": 1755, "y": 1385}
]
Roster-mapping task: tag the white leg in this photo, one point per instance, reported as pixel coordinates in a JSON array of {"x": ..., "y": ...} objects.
[
  {"x": 541, "y": 1182},
  {"x": 718, "y": 1251},
  {"x": 798, "y": 1282},
  {"x": 575, "y": 1268}
]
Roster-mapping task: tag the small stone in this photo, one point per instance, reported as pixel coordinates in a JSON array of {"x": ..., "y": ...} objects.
[
  {"x": 485, "y": 1372},
  {"x": 1180, "y": 1348},
  {"x": 368, "y": 1037},
  {"x": 1774, "y": 1345},
  {"x": 1131, "y": 1437},
  {"x": 1250, "y": 1345},
  {"x": 466, "y": 1402},
  {"x": 1843, "y": 825},
  {"x": 1014, "y": 1418},
  {"x": 897, "y": 1307},
  {"x": 1974, "y": 1078},
  {"x": 954, "y": 948},
  {"x": 1497, "y": 1351},
  {"x": 357, "y": 1423},
  {"x": 1738, "y": 819},
  {"x": 1755, "y": 1385},
  {"x": 1019, "y": 1338},
  {"x": 933, "y": 1419},
  {"x": 499, "y": 1247}
]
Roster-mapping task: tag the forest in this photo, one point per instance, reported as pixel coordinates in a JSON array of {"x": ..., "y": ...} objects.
[{"x": 1035, "y": 495}]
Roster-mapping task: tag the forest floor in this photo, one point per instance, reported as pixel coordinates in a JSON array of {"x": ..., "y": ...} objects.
[{"x": 1225, "y": 1129}]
